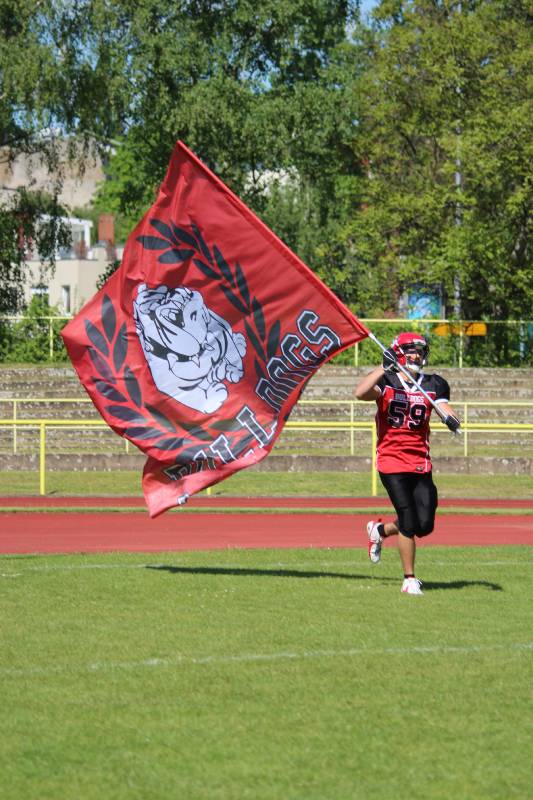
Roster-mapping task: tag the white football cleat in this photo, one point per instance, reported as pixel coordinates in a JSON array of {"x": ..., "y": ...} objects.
[
  {"x": 412, "y": 586},
  {"x": 374, "y": 542}
]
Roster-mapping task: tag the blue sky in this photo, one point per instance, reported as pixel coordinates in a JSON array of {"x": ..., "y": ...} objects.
[{"x": 368, "y": 5}]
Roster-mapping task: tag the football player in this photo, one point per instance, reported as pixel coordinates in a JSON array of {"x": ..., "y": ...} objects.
[{"x": 402, "y": 455}]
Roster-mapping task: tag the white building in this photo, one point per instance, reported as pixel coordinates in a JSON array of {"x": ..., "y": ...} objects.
[
  {"x": 77, "y": 269},
  {"x": 79, "y": 266}
]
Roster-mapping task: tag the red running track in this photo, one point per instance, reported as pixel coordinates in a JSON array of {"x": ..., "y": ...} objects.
[
  {"x": 49, "y": 501},
  {"x": 72, "y": 532}
]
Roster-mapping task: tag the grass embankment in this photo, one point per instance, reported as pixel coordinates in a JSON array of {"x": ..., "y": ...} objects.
[
  {"x": 265, "y": 484},
  {"x": 266, "y": 675}
]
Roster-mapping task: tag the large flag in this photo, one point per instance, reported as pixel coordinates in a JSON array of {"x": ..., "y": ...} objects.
[{"x": 198, "y": 347}]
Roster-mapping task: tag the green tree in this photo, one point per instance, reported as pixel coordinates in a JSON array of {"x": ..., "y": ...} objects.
[
  {"x": 30, "y": 222},
  {"x": 28, "y": 341},
  {"x": 263, "y": 93},
  {"x": 384, "y": 156},
  {"x": 50, "y": 110},
  {"x": 447, "y": 128}
]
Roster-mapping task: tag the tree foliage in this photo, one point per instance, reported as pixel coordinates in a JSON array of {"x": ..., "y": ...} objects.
[
  {"x": 31, "y": 222},
  {"x": 386, "y": 154},
  {"x": 28, "y": 340},
  {"x": 246, "y": 85},
  {"x": 44, "y": 98},
  {"x": 447, "y": 131}
]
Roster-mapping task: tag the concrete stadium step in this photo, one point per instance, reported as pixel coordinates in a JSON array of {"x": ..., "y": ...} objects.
[
  {"x": 27, "y": 409},
  {"x": 466, "y": 384},
  {"x": 318, "y": 412},
  {"x": 330, "y": 381},
  {"x": 475, "y": 465}
]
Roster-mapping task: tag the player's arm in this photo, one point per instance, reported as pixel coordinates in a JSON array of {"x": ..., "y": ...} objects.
[
  {"x": 450, "y": 418},
  {"x": 367, "y": 388}
]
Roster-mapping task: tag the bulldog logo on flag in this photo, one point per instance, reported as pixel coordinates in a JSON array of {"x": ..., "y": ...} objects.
[
  {"x": 190, "y": 349},
  {"x": 198, "y": 347}
]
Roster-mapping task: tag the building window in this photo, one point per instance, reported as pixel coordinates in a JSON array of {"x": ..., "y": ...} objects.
[{"x": 65, "y": 299}]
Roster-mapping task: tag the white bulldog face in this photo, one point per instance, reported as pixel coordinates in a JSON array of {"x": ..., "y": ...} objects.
[
  {"x": 190, "y": 349},
  {"x": 182, "y": 321}
]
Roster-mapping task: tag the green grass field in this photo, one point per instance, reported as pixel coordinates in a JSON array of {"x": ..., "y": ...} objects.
[{"x": 267, "y": 675}]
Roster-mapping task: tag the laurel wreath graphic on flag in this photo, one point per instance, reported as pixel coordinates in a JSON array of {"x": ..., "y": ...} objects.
[
  {"x": 215, "y": 267},
  {"x": 109, "y": 348}
]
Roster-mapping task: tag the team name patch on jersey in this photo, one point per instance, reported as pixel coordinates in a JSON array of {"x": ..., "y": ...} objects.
[{"x": 400, "y": 396}]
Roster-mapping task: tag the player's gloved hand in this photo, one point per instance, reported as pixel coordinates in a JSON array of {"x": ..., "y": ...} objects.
[
  {"x": 452, "y": 423},
  {"x": 390, "y": 361}
]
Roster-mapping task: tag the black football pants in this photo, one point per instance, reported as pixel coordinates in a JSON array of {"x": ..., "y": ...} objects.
[{"x": 415, "y": 499}]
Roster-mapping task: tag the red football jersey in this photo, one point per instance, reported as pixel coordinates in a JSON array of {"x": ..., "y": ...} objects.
[{"x": 402, "y": 422}]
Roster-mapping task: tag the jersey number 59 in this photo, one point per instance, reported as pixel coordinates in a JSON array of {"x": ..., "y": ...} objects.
[{"x": 400, "y": 409}]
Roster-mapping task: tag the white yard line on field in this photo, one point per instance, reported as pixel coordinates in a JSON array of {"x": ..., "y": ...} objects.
[
  {"x": 243, "y": 658},
  {"x": 251, "y": 566},
  {"x": 245, "y": 566}
]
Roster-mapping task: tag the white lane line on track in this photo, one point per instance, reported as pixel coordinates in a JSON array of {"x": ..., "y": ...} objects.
[
  {"x": 108, "y": 666},
  {"x": 72, "y": 567}
]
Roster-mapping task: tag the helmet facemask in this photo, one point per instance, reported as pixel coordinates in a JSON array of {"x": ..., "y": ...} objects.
[
  {"x": 412, "y": 351},
  {"x": 415, "y": 357}
]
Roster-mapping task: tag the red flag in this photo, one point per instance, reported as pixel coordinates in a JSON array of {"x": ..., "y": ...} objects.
[{"x": 197, "y": 348}]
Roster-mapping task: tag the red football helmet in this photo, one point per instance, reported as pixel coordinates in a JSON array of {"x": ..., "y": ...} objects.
[{"x": 411, "y": 342}]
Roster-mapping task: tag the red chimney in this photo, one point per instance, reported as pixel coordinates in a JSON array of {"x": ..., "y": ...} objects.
[{"x": 106, "y": 228}]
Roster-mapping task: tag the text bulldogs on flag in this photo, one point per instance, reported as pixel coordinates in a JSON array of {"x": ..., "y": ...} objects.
[{"x": 197, "y": 348}]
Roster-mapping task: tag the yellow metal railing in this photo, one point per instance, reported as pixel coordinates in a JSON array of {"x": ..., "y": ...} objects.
[
  {"x": 43, "y": 424},
  {"x": 457, "y": 405},
  {"x": 18, "y": 401},
  {"x": 351, "y": 425}
]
